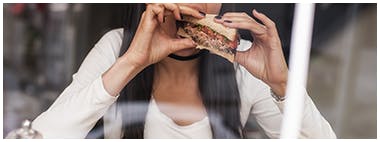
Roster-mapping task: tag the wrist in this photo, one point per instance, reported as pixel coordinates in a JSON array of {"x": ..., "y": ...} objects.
[
  {"x": 279, "y": 89},
  {"x": 118, "y": 75},
  {"x": 277, "y": 97},
  {"x": 128, "y": 62}
]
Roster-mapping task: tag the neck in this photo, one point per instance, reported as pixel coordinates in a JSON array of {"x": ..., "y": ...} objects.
[
  {"x": 176, "y": 70},
  {"x": 170, "y": 72}
]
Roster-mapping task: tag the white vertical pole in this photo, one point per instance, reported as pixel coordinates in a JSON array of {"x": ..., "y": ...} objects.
[{"x": 298, "y": 67}]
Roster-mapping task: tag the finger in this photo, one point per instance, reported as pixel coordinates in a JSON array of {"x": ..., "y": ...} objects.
[
  {"x": 156, "y": 10},
  {"x": 246, "y": 24},
  {"x": 218, "y": 19},
  {"x": 192, "y": 12},
  {"x": 263, "y": 18},
  {"x": 230, "y": 15},
  {"x": 174, "y": 8},
  {"x": 245, "y": 18},
  {"x": 234, "y": 14},
  {"x": 235, "y": 18},
  {"x": 182, "y": 43},
  {"x": 221, "y": 19},
  {"x": 240, "y": 57}
]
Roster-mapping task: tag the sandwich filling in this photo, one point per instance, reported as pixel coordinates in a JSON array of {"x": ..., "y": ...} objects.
[{"x": 205, "y": 36}]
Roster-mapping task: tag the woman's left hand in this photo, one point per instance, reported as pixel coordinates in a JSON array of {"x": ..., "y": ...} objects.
[{"x": 265, "y": 59}]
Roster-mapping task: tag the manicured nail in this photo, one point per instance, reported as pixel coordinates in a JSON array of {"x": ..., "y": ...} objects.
[
  {"x": 218, "y": 17},
  {"x": 227, "y": 21},
  {"x": 256, "y": 11},
  {"x": 202, "y": 13}
]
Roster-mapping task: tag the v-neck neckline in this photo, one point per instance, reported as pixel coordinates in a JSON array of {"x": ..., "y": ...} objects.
[{"x": 171, "y": 121}]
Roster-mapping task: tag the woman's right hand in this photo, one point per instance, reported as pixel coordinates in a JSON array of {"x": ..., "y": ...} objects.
[{"x": 151, "y": 43}]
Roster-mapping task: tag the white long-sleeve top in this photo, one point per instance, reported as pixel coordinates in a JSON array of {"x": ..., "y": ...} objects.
[{"x": 85, "y": 101}]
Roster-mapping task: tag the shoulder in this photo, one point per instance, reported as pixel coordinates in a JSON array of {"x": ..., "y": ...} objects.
[
  {"x": 114, "y": 34},
  {"x": 101, "y": 57},
  {"x": 111, "y": 41}
]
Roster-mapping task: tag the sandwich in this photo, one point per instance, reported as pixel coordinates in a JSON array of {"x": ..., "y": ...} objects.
[{"x": 209, "y": 35}]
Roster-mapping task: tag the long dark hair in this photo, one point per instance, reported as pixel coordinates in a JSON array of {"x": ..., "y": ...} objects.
[{"x": 217, "y": 84}]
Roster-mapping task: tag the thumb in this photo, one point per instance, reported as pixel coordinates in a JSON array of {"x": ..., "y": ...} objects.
[
  {"x": 183, "y": 43},
  {"x": 241, "y": 57}
]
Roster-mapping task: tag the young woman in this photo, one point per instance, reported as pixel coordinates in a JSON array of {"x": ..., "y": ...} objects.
[{"x": 165, "y": 88}]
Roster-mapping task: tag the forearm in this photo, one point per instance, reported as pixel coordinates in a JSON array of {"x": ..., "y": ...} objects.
[
  {"x": 314, "y": 125},
  {"x": 75, "y": 111},
  {"x": 119, "y": 74}
]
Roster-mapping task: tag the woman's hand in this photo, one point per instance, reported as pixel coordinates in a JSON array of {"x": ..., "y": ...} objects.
[
  {"x": 264, "y": 59},
  {"x": 151, "y": 43}
]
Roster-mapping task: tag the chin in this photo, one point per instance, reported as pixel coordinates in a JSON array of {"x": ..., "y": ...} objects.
[{"x": 186, "y": 52}]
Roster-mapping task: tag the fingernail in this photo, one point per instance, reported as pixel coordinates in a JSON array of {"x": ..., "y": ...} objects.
[
  {"x": 202, "y": 13},
  {"x": 227, "y": 21},
  {"x": 256, "y": 11},
  {"x": 218, "y": 17}
]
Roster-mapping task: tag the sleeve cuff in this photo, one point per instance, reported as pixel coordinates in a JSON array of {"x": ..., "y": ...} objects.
[{"x": 281, "y": 104}]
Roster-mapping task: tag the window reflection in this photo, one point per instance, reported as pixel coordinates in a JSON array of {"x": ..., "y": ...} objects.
[{"x": 44, "y": 45}]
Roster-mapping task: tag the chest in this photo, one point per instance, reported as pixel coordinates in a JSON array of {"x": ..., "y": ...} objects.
[
  {"x": 160, "y": 125},
  {"x": 182, "y": 103}
]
